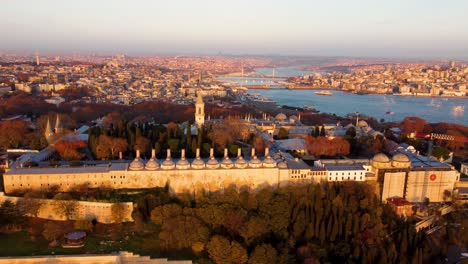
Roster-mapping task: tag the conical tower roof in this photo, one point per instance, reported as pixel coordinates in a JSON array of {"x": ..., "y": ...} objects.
[
  {"x": 48, "y": 130},
  {"x": 57, "y": 124}
]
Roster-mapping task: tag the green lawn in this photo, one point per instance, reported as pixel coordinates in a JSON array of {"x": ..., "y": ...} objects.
[{"x": 21, "y": 244}]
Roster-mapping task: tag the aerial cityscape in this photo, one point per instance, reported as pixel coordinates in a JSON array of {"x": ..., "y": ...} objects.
[{"x": 233, "y": 132}]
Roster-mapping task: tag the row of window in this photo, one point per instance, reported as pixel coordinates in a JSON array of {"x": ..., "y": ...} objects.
[
  {"x": 349, "y": 173},
  {"x": 343, "y": 178},
  {"x": 61, "y": 184}
]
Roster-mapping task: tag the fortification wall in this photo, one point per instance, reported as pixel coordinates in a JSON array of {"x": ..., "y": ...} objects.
[
  {"x": 102, "y": 212},
  {"x": 191, "y": 180}
]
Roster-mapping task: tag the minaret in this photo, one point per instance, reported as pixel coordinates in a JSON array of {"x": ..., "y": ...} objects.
[
  {"x": 38, "y": 60},
  {"x": 48, "y": 132},
  {"x": 199, "y": 111},
  {"x": 357, "y": 119},
  {"x": 57, "y": 124}
]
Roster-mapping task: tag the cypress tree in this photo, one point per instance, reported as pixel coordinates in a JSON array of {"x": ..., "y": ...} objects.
[
  {"x": 322, "y": 131},
  {"x": 322, "y": 232}
]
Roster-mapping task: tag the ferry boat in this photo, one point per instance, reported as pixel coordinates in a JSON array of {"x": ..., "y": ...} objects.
[
  {"x": 459, "y": 109},
  {"x": 327, "y": 93}
]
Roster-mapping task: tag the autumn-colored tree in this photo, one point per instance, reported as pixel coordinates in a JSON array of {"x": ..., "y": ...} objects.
[
  {"x": 12, "y": 133},
  {"x": 413, "y": 124},
  {"x": 263, "y": 254},
  {"x": 142, "y": 144},
  {"x": 282, "y": 133},
  {"x": 221, "y": 250},
  {"x": 259, "y": 144},
  {"x": 109, "y": 147},
  {"x": 53, "y": 230},
  {"x": 322, "y": 146},
  {"x": 112, "y": 119},
  {"x": 220, "y": 135},
  {"x": 70, "y": 150}
]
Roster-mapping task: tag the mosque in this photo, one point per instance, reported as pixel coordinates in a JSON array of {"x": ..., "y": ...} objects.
[{"x": 406, "y": 174}]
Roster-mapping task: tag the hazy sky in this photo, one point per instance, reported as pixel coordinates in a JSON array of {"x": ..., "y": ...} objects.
[{"x": 407, "y": 28}]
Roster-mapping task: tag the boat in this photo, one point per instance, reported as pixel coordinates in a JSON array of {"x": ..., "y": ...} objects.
[
  {"x": 389, "y": 113},
  {"x": 458, "y": 110},
  {"x": 327, "y": 93}
]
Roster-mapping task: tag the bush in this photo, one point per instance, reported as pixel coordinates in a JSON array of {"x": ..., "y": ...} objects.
[{"x": 75, "y": 163}]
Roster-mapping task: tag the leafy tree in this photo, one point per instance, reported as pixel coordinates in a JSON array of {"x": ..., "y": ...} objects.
[
  {"x": 109, "y": 147},
  {"x": 441, "y": 153},
  {"x": 12, "y": 133},
  {"x": 142, "y": 144},
  {"x": 263, "y": 254},
  {"x": 322, "y": 131},
  {"x": 221, "y": 250},
  {"x": 351, "y": 132},
  {"x": 282, "y": 133},
  {"x": 10, "y": 214}
]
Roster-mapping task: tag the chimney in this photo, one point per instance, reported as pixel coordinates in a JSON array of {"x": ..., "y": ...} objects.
[{"x": 168, "y": 154}]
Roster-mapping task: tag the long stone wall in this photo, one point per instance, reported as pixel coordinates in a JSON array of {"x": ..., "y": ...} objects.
[
  {"x": 102, "y": 212},
  {"x": 190, "y": 180}
]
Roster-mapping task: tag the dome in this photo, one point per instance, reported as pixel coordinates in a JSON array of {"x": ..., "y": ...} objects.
[
  {"x": 293, "y": 119},
  {"x": 182, "y": 164},
  {"x": 136, "y": 164},
  {"x": 212, "y": 162},
  {"x": 280, "y": 117},
  {"x": 152, "y": 164},
  {"x": 240, "y": 162},
  {"x": 227, "y": 162},
  {"x": 254, "y": 161},
  {"x": 362, "y": 123},
  {"x": 198, "y": 163},
  {"x": 400, "y": 157},
  {"x": 268, "y": 161},
  {"x": 380, "y": 157},
  {"x": 168, "y": 163},
  {"x": 282, "y": 165}
]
